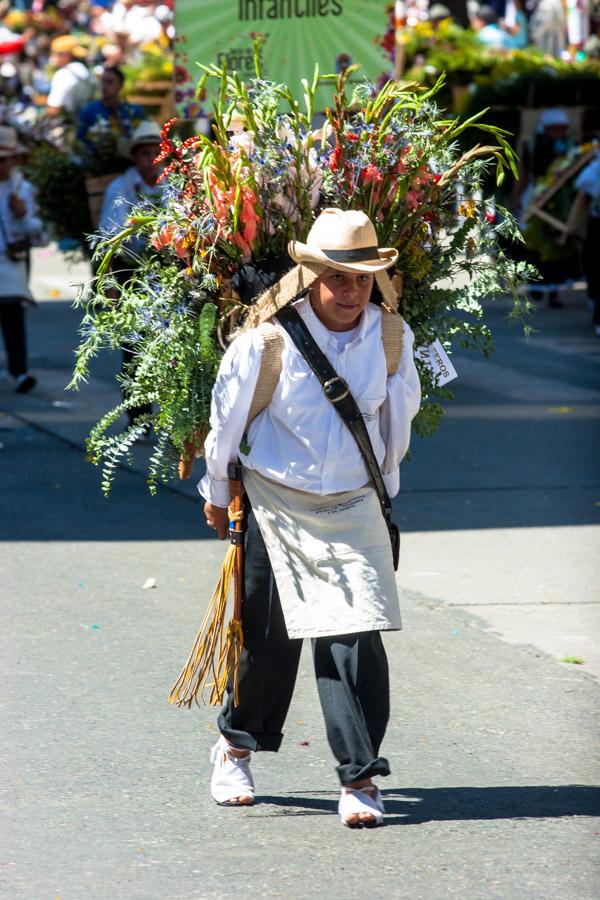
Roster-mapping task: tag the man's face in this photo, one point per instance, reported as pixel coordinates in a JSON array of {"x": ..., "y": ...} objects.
[
  {"x": 557, "y": 132},
  {"x": 339, "y": 298},
  {"x": 60, "y": 60},
  {"x": 143, "y": 159},
  {"x": 110, "y": 85}
]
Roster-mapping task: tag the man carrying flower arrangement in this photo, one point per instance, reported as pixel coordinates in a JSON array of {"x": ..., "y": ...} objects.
[
  {"x": 315, "y": 519},
  {"x": 320, "y": 447}
]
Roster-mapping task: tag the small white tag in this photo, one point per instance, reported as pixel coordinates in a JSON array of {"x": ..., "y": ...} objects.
[{"x": 435, "y": 358}]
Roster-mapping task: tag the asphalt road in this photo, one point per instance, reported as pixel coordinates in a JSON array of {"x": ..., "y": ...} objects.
[{"x": 493, "y": 741}]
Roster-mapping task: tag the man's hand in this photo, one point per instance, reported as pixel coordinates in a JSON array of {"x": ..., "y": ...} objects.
[
  {"x": 217, "y": 518},
  {"x": 17, "y": 206}
]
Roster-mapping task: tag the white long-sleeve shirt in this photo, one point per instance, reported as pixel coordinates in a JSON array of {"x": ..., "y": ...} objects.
[
  {"x": 300, "y": 440},
  {"x": 122, "y": 194},
  {"x": 13, "y": 275}
]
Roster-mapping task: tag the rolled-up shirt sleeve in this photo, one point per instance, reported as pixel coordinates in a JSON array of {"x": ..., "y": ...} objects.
[
  {"x": 231, "y": 399},
  {"x": 402, "y": 403}
]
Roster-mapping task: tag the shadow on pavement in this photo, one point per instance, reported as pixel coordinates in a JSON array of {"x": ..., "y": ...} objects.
[{"x": 415, "y": 806}]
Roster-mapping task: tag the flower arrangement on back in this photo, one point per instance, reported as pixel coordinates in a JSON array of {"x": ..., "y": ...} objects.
[{"x": 240, "y": 197}]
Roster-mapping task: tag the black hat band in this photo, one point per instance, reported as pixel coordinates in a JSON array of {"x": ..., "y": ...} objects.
[{"x": 361, "y": 254}]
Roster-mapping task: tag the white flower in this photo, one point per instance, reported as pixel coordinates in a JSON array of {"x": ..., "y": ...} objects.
[
  {"x": 321, "y": 135},
  {"x": 244, "y": 140},
  {"x": 285, "y": 133},
  {"x": 287, "y": 205}
]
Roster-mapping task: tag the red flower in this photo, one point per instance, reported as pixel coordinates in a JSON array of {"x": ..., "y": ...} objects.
[
  {"x": 335, "y": 159},
  {"x": 182, "y": 75},
  {"x": 167, "y": 127},
  {"x": 371, "y": 175},
  {"x": 389, "y": 41}
]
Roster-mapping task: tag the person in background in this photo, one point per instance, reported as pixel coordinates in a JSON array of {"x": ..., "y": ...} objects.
[
  {"x": 72, "y": 85},
  {"x": 126, "y": 191},
  {"x": 20, "y": 228},
  {"x": 588, "y": 185},
  {"x": 111, "y": 109},
  {"x": 485, "y": 22},
  {"x": 138, "y": 181},
  {"x": 553, "y": 139},
  {"x": 515, "y": 25},
  {"x": 548, "y": 27}
]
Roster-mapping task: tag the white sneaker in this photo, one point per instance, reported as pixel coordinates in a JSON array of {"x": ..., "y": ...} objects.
[
  {"x": 366, "y": 801},
  {"x": 231, "y": 776}
]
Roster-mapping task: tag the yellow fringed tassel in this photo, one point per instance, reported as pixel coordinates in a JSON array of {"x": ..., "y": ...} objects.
[
  {"x": 214, "y": 653},
  {"x": 229, "y": 664}
]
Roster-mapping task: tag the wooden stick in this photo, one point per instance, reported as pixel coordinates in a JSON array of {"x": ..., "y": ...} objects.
[{"x": 236, "y": 489}]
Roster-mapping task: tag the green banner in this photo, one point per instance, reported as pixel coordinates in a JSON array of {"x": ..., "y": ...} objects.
[{"x": 298, "y": 34}]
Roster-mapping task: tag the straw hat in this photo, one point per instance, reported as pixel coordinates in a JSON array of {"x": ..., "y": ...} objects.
[
  {"x": 9, "y": 144},
  {"x": 345, "y": 240},
  {"x": 147, "y": 132},
  {"x": 68, "y": 43}
]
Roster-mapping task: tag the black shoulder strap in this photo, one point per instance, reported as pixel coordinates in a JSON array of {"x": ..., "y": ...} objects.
[{"x": 338, "y": 393}]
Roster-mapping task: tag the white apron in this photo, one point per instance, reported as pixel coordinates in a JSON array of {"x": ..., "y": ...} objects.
[{"x": 331, "y": 558}]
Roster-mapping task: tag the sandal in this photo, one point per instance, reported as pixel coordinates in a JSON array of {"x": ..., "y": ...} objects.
[
  {"x": 231, "y": 776},
  {"x": 363, "y": 800}
]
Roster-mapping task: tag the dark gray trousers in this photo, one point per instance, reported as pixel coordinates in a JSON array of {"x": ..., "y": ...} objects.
[
  {"x": 12, "y": 322},
  {"x": 351, "y": 671}
]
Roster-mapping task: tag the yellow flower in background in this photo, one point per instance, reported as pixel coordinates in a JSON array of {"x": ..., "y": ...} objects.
[{"x": 468, "y": 209}]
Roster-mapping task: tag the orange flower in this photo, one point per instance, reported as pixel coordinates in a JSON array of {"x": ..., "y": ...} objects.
[
  {"x": 248, "y": 215},
  {"x": 163, "y": 238}
]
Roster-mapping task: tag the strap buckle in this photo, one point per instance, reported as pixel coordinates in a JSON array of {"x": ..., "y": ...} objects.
[{"x": 329, "y": 389}]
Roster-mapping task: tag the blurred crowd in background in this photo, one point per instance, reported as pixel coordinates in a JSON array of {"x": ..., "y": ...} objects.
[
  {"x": 85, "y": 88},
  {"x": 52, "y": 54},
  {"x": 560, "y": 28}
]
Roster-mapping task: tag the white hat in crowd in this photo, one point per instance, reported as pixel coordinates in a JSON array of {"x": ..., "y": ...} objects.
[{"x": 147, "y": 132}]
